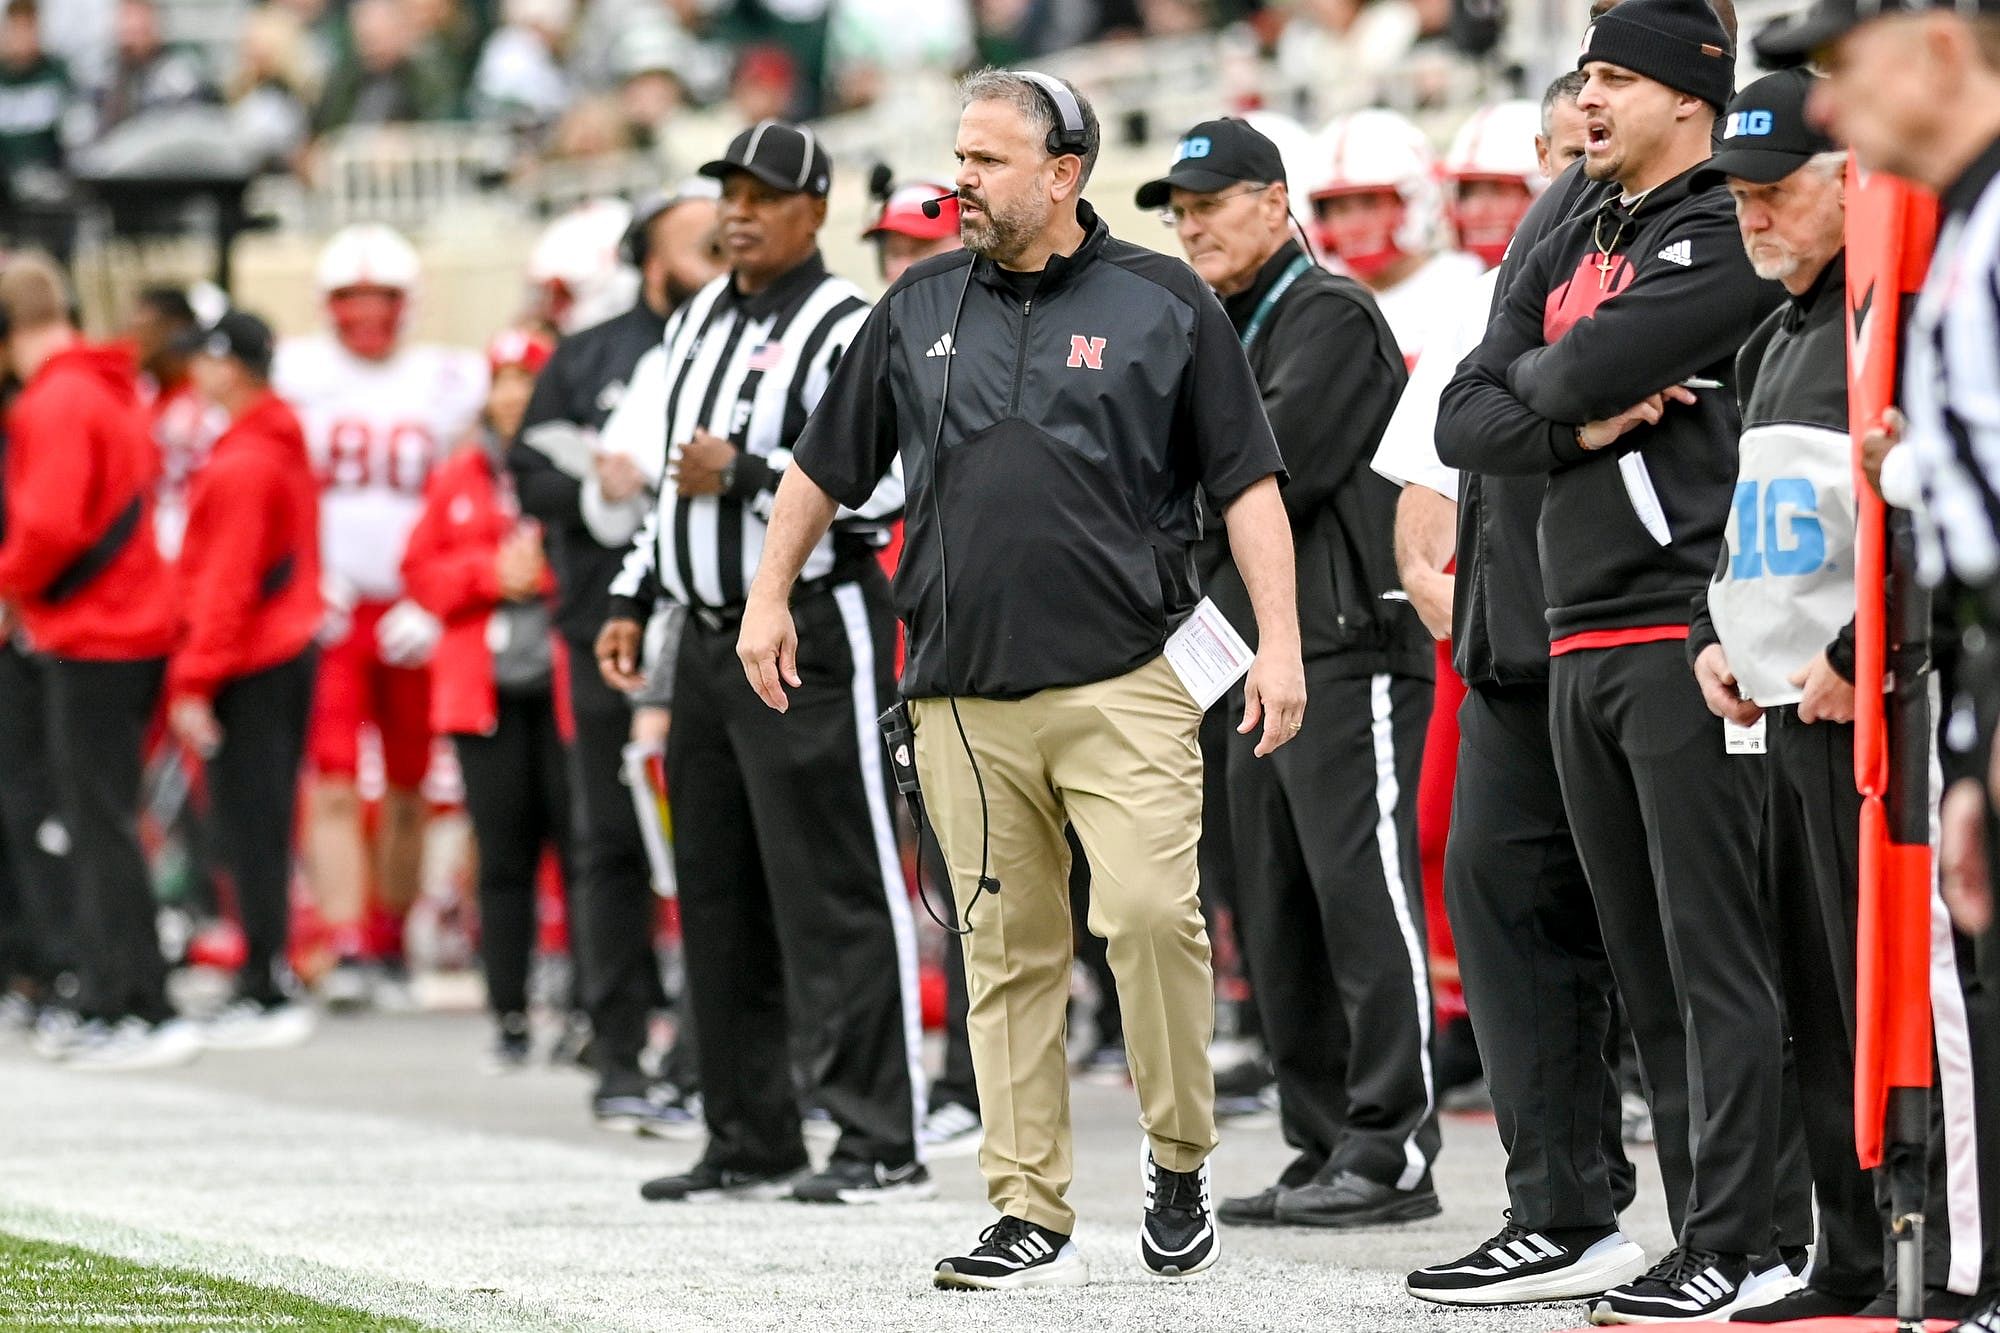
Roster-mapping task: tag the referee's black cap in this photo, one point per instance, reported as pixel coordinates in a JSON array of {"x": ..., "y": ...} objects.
[
  {"x": 1765, "y": 135},
  {"x": 784, "y": 156},
  {"x": 1789, "y": 41},
  {"x": 1215, "y": 155}
]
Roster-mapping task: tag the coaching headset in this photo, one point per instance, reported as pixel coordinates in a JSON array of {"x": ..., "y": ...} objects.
[{"x": 1069, "y": 138}]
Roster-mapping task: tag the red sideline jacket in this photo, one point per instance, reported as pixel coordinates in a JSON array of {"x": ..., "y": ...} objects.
[
  {"x": 79, "y": 452},
  {"x": 450, "y": 569},
  {"x": 250, "y": 561}
]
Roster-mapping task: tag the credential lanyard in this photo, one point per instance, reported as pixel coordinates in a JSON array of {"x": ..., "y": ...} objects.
[{"x": 1264, "y": 307}]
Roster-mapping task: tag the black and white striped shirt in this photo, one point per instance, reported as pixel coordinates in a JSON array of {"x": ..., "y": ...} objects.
[
  {"x": 1951, "y": 384},
  {"x": 749, "y": 369}
]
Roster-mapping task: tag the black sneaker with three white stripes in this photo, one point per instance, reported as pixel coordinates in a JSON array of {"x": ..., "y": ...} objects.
[
  {"x": 1177, "y": 1235},
  {"x": 1691, "y": 1285},
  {"x": 1014, "y": 1253},
  {"x": 1520, "y": 1264},
  {"x": 1984, "y": 1320}
]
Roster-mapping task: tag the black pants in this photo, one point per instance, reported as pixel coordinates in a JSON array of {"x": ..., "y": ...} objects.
[
  {"x": 253, "y": 788},
  {"x": 1537, "y": 984},
  {"x": 517, "y": 792},
  {"x": 1330, "y": 908},
  {"x": 796, "y": 916},
  {"x": 37, "y": 843},
  {"x": 97, "y": 718},
  {"x": 1814, "y": 855},
  {"x": 613, "y": 908},
  {"x": 1667, "y": 825}
]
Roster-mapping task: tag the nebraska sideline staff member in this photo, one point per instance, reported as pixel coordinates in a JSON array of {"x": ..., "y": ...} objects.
[
  {"x": 1067, "y": 537},
  {"x": 1579, "y": 379},
  {"x": 239, "y": 687},
  {"x": 1328, "y": 899},
  {"x": 792, "y": 897}
]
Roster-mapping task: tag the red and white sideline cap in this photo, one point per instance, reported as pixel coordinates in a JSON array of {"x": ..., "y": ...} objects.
[
  {"x": 519, "y": 349},
  {"x": 903, "y": 213}
]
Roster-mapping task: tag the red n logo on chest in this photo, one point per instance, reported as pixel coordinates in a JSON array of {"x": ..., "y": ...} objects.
[
  {"x": 1085, "y": 352},
  {"x": 1587, "y": 288}
]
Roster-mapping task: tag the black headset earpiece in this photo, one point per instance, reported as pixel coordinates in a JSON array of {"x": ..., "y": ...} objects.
[{"x": 1071, "y": 136}]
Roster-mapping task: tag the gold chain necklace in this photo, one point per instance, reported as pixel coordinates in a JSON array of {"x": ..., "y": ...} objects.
[{"x": 1603, "y": 264}]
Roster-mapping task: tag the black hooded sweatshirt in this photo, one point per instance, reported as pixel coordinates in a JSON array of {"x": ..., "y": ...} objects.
[{"x": 1582, "y": 336}]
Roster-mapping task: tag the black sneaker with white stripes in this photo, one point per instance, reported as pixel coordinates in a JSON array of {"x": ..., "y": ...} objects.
[
  {"x": 1177, "y": 1235},
  {"x": 1014, "y": 1253},
  {"x": 847, "y": 1181},
  {"x": 1519, "y": 1265},
  {"x": 1693, "y": 1285},
  {"x": 1986, "y": 1319}
]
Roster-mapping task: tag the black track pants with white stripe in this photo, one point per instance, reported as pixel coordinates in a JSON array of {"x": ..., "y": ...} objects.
[
  {"x": 1667, "y": 825},
  {"x": 1536, "y": 980},
  {"x": 1329, "y": 910},
  {"x": 795, "y": 914}
]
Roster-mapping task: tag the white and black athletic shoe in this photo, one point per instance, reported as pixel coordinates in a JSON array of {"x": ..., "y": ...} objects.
[
  {"x": 1984, "y": 1320},
  {"x": 133, "y": 1044},
  {"x": 846, "y": 1181},
  {"x": 1013, "y": 1253},
  {"x": 951, "y": 1129},
  {"x": 1520, "y": 1265},
  {"x": 706, "y": 1183},
  {"x": 659, "y": 1112},
  {"x": 251, "y": 1025},
  {"x": 1694, "y": 1285},
  {"x": 1177, "y": 1235}
]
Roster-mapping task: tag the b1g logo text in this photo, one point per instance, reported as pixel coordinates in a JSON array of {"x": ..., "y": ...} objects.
[{"x": 1777, "y": 529}]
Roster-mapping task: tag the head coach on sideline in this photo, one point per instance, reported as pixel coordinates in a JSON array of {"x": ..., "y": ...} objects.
[{"x": 1057, "y": 396}]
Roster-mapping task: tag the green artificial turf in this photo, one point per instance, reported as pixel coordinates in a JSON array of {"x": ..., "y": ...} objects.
[{"x": 45, "y": 1286}]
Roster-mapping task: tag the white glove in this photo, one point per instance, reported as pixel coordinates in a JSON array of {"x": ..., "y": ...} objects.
[
  {"x": 337, "y": 596},
  {"x": 407, "y": 634}
]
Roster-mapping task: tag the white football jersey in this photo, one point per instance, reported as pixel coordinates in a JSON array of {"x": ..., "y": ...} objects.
[
  {"x": 1408, "y": 453},
  {"x": 375, "y": 429},
  {"x": 1412, "y": 305}
]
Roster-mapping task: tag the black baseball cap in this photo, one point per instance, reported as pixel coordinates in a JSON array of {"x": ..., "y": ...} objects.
[
  {"x": 1789, "y": 41},
  {"x": 1215, "y": 155},
  {"x": 1765, "y": 135},
  {"x": 238, "y": 334},
  {"x": 784, "y": 157}
]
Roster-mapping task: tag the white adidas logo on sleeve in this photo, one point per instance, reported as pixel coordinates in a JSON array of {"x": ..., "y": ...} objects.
[
  {"x": 942, "y": 347},
  {"x": 1680, "y": 252}
]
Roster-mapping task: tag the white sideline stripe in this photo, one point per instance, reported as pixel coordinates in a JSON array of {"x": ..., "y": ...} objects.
[
  {"x": 1386, "y": 795},
  {"x": 1951, "y": 1039},
  {"x": 861, "y": 651}
]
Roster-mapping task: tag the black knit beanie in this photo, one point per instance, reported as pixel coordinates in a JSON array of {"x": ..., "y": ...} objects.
[{"x": 1680, "y": 43}]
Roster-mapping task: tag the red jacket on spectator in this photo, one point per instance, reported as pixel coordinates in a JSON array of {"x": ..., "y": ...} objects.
[
  {"x": 79, "y": 452},
  {"x": 450, "y": 568},
  {"x": 250, "y": 561}
]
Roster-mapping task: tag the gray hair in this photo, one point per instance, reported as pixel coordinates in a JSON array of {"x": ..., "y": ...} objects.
[
  {"x": 1830, "y": 164},
  {"x": 1566, "y": 88},
  {"x": 1005, "y": 85}
]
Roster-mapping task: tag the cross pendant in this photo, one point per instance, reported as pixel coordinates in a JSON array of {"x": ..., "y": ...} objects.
[{"x": 1603, "y": 270}]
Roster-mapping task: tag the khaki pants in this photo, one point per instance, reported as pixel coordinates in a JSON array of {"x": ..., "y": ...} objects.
[{"x": 1119, "y": 760}]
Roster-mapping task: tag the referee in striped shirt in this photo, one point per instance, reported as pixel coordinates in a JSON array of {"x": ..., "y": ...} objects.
[{"x": 793, "y": 906}]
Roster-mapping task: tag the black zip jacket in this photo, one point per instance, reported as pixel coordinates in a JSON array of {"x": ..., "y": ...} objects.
[
  {"x": 1791, "y": 379},
  {"x": 1499, "y": 613},
  {"x": 1085, "y": 412},
  {"x": 1573, "y": 344},
  {"x": 578, "y": 388},
  {"x": 1330, "y": 373}
]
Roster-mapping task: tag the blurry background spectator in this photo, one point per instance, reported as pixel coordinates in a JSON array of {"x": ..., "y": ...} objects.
[
  {"x": 385, "y": 79},
  {"x": 520, "y": 81},
  {"x": 147, "y": 74},
  {"x": 274, "y": 86},
  {"x": 35, "y": 97}
]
